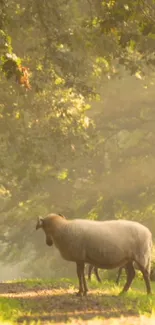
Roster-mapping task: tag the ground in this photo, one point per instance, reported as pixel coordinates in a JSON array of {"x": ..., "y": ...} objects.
[{"x": 47, "y": 302}]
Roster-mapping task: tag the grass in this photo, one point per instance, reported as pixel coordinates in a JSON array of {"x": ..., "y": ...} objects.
[
  {"x": 54, "y": 301},
  {"x": 9, "y": 308}
]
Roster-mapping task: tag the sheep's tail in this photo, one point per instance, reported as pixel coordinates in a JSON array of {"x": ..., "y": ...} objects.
[
  {"x": 144, "y": 256},
  {"x": 148, "y": 266},
  {"x": 147, "y": 263}
]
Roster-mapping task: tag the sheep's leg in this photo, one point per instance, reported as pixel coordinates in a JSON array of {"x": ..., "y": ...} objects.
[
  {"x": 80, "y": 271},
  {"x": 146, "y": 277},
  {"x": 119, "y": 274},
  {"x": 97, "y": 275},
  {"x": 130, "y": 276},
  {"x": 90, "y": 271},
  {"x": 84, "y": 283}
]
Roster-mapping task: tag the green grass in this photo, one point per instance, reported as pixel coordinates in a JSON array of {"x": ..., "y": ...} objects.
[
  {"x": 30, "y": 283},
  {"x": 58, "y": 299},
  {"x": 9, "y": 308}
]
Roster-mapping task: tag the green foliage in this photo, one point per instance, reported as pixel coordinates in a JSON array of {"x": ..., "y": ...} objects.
[
  {"x": 61, "y": 149},
  {"x": 10, "y": 65},
  {"x": 5, "y": 43},
  {"x": 9, "y": 61}
]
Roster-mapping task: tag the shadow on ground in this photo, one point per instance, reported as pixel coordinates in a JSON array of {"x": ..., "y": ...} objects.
[{"x": 50, "y": 303}]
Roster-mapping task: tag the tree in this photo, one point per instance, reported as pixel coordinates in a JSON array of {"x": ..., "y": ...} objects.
[{"x": 56, "y": 153}]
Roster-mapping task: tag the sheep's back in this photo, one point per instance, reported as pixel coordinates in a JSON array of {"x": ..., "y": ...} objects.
[{"x": 104, "y": 243}]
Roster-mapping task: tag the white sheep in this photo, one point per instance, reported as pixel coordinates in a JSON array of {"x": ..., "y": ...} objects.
[
  {"x": 104, "y": 244},
  {"x": 95, "y": 269}
]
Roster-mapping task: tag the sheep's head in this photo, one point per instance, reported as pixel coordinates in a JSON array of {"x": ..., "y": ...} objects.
[
  {"x": 42, "y": 224},
  {"x": 47, "y": 224},
  {"x": 39, "y": 223}
]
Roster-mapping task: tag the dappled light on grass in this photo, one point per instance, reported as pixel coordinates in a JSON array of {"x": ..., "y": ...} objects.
[{"x": 54, "y": 301}]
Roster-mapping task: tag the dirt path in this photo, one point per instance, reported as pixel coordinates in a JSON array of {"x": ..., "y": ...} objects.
[{"x": 48, "y": 303}]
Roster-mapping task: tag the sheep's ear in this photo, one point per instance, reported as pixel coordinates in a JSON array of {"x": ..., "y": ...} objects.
[
  {"x": 39, "y": 223},
  {"x": 61, "y": 215}
]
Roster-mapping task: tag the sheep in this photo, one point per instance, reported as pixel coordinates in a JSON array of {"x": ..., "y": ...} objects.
[
  {"x": 104, "y": 244},
  {"x": 95, "y": 269},
  {"x": 119, "y": 274},
  {"x": 91, "y": 268}
]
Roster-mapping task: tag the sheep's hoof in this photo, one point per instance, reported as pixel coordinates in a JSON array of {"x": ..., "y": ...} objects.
[{"x": 79, "y": 294}]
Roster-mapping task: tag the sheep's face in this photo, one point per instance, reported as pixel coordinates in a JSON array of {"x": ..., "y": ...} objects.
[
  {"x": 44, "y": 224},
  {"x": 40, "y": 222},
  {"x": 47, "y": 224},
  {"x": 49, "y": 240}
]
